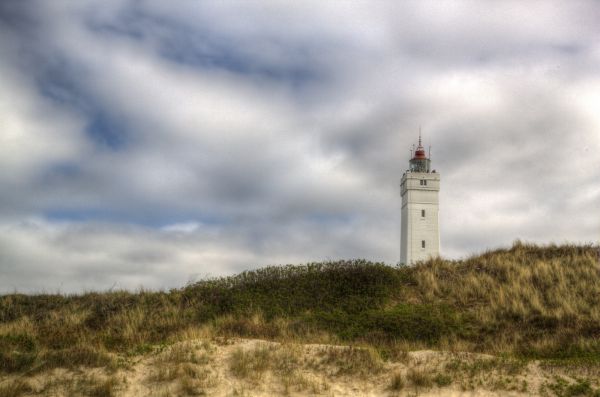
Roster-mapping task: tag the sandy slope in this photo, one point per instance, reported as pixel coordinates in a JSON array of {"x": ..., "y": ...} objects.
[
  {"x": 272, "y": 369},
  {"x": 313, "y": 379}
]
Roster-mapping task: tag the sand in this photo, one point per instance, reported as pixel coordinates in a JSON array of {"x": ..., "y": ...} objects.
[{"x": 203, "y": 367}]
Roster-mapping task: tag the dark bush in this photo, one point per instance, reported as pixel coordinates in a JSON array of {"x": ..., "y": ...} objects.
[
  {"x": 18, "y": 352},
  {"x": 410, "y": 322}
]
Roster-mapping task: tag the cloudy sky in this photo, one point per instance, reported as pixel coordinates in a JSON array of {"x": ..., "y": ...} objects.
[{"x": 153, "y": 143}]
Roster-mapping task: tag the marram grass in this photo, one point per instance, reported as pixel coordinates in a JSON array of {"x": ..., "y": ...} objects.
[{"x": 527, "y": 301}]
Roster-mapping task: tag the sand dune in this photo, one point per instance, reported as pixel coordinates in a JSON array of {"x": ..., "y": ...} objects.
[{"x": 245, "y": 367}]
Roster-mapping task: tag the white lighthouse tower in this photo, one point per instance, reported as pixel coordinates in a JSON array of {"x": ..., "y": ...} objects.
[{"x": 419, "y": 188}]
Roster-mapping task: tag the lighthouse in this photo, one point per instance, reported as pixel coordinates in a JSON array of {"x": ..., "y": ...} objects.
[{"x": 419, "y": 189}]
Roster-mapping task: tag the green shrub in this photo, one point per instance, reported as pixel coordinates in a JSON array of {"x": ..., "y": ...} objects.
[
  {"x": 442, "y": 380},
  {"x": 76, "y": 356},
  {"x": 428, "y": 322},
  {"x": 351, "y": 286},
  {"x": 18, "y": 352}
]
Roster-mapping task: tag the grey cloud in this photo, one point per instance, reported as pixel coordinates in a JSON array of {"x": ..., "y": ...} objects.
[
  {"x": 43, "y": 256},
  {"x": 280, "y": 133}
]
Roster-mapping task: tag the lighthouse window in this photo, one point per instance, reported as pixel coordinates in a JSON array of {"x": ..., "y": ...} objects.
[
  {"x": 422, "y": 213},
  {"x": 423, "y": 182},
  {"x": 422, "y": 243}
]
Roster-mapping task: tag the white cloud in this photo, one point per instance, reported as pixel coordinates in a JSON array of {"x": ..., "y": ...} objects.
[
  {"x": 34, "y": 134},
  {"x": 183, "y": 227}
]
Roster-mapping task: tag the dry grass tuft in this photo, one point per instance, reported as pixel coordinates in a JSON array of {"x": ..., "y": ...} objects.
[
  {"x": 186, "y": 352},
  {"x": 397, "y": 382},
  {"x": 100, "y": 387},
  {"x": 186, "y": 363},
  {"x": 251, "y": 363},
  {"x": 419, "y": 378},
  {"x": 361, "y": 361},
  {"x": 14, "y": 388}
]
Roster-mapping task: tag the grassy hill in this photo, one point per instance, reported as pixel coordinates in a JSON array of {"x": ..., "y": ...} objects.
[{"x": 527, "y": 302}]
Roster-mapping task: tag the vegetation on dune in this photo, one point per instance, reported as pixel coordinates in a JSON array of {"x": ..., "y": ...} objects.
[{"x": 527, "y": 301}]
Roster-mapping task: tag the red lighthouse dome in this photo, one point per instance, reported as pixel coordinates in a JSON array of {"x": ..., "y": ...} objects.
[
  {"x": 420, "y": 162},
  {"x": 420, "y": 152}
]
